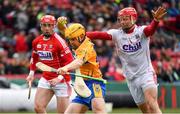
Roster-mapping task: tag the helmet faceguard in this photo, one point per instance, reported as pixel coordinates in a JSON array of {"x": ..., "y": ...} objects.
[
  {"x": 129, "y": 11},
  {"x": 75, "y": 30}
]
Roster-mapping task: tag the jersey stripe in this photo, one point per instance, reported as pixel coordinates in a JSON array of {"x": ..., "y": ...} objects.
[{"x": 60, "y": 40}]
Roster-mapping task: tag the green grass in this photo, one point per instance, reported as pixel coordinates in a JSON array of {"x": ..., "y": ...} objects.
[
  {"x": 135, "y": 110},
  {"x": 117, "y": 110}
]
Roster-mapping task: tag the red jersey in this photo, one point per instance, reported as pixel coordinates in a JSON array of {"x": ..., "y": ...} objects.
[{"x": 53, "y": 52}]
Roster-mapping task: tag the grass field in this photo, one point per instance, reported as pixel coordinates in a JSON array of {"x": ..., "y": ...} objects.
[
  {"x": 136, "y": 111},
  {"x": 117, "y": 111}
]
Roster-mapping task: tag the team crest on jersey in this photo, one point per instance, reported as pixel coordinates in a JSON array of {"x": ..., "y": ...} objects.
[
  {"x": 97, "y": 90},
  {"x": 137, "y": 36},
  {"x": 39, "y": 46},
  {"x": 45, "y": 55},
  {"x": 50, "y": 46}
]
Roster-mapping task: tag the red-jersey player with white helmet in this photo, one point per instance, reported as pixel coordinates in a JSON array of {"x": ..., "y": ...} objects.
[
  {"x": 132, "y": 45},
  {"x": 50, "y": 49}
]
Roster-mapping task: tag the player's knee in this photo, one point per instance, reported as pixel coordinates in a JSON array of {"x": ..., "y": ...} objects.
[
  {"x": 98, "y": 105},
  {"x": 151, "y": 100},
  {"x": 99, "y": 109},
  {"x": 39, "y": 107},
  {"x": 144, "y": 108}
]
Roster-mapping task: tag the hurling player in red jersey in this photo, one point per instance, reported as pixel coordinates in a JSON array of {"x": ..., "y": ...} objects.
[{"x": 50, "y": 49}]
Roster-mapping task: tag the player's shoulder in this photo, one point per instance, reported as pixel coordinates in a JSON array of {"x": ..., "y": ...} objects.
[
  {"x": 38, "y": 38},
  {"x": 59, "y": 40},
  {"x": 114, "y": 30},
  {"x": 86, "y": 45},
  {"x": 140, "y": 26},
  {"x": 58, "y": 37}
]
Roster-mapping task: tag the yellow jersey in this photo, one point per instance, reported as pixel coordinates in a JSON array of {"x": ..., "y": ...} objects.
[{"x": 87, "y": 53}]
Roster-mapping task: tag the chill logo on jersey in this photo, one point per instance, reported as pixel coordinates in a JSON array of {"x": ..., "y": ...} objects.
[
  {"x": 134, "y": 39},
  {"x": 45, "y": 55},
  {"x": 132, "y": 47}
]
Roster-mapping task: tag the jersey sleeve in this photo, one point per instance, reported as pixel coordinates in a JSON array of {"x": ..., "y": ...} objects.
[
  {"x": 151, "y": 28},
  {"x": 34, "y": 57},
  {"x": 99, "y": 35}
]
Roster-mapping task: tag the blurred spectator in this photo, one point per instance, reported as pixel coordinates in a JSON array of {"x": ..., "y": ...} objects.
[
  {"x": 3, "y": 54},
  {"x": 114, "y": 71}
]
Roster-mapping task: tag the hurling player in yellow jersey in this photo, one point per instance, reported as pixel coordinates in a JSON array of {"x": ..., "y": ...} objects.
[{"x": 85, "y": 61}]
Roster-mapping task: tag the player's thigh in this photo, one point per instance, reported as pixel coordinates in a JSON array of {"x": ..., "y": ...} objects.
[
  {"x": 98, "y": 104},
  {"x": 136, "y": 92},
  {"x": 76, "y": 108},
  {"x": 62, "y": 89},
  {"x": 150, "y": 94},
  {"x": 62, "y": 103},
  {"x": 43, "y": 96},
  {"x": 150, "y": 87}
]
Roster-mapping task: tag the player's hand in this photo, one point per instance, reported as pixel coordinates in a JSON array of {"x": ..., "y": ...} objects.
[
  {"x": 55, "y": 81},
  {"x": 61, "y": 22},
  {"x": 159, "y": 13},
  {"x": 30, "y": 78},
  {"x": 62, "y": 70}
]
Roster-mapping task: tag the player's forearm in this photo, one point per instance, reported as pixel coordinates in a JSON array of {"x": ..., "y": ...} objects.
[
  {"x": 33, "y": 61},
  {"x": 151, "y": 28},
  {"x": 61, "y": 29},
  {"x": 99, "y": 35},
  {"x": 74, "y": 64}
]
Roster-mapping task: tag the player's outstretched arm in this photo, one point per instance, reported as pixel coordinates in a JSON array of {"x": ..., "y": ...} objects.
[
  {"x": 159, "y": 13},
  {"x": 151, "y": 28},
  {"x": 98, "y": 35}
]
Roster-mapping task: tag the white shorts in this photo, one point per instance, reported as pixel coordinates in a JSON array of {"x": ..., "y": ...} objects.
[
  {"x": 138, "y": 85},
  {"x": 60, "y": 90}
]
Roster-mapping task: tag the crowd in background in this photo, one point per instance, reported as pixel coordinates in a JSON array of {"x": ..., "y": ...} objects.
[{"x": 19, "y": 25}]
